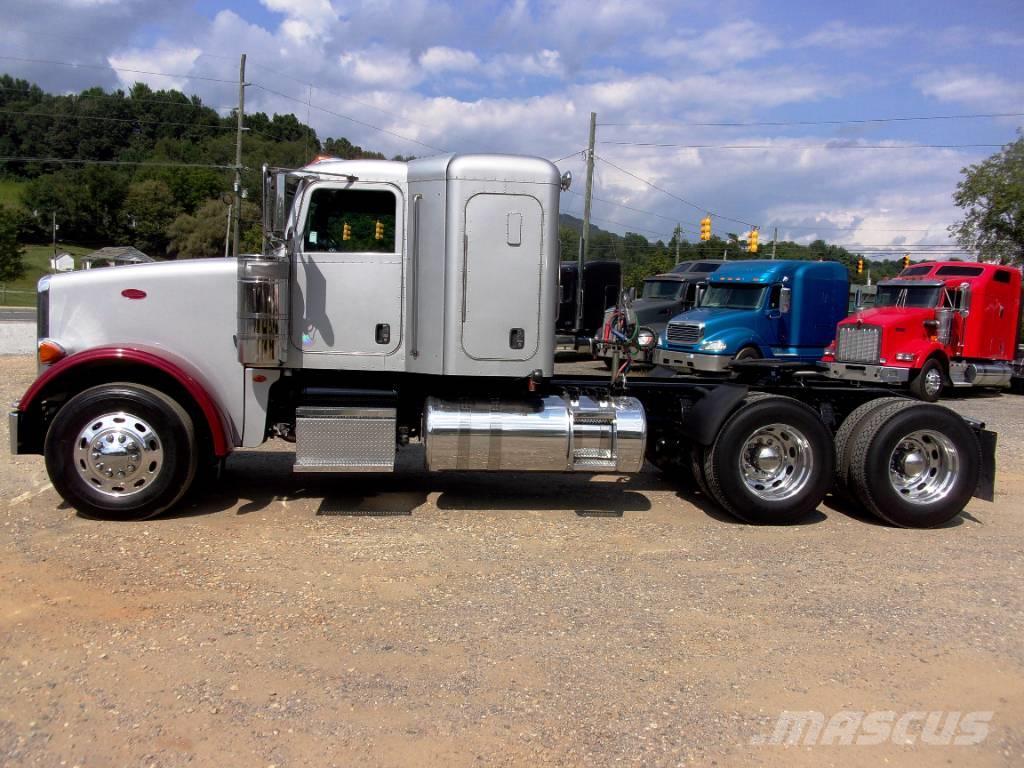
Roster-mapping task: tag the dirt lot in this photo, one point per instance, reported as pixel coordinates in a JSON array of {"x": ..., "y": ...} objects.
[{"x": 415, "y": 619}]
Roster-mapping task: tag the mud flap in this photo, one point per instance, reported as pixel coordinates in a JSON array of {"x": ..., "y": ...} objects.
[{"x": 986, "y": 489}]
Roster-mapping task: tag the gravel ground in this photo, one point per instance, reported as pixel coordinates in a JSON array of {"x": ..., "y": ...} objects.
[{"x": 494, "y": 620}]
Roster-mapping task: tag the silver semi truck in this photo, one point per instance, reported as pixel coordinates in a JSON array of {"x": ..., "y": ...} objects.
[{"x": 414, "y": 303}]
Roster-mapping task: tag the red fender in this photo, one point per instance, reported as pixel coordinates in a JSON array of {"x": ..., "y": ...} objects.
[{"x": 214, "y": 417}]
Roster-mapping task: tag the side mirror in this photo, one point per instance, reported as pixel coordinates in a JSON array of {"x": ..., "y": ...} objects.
[
  {"x": 965, "y": 299},
  {"x": 566, "y": 181},
  {"x": 785, "y": 300},
  {"x": 858, "y": 298},
  {"x": 699, "y": 295}
]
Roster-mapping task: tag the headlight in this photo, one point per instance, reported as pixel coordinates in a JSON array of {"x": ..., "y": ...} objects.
[
  {"x": 713, "y": 346},
  {"x": 645, "y": 338},
  {"x": 905, "y": 357}
]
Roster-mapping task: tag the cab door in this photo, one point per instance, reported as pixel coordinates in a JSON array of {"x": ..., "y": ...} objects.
[{"x": 346, "y": 297}]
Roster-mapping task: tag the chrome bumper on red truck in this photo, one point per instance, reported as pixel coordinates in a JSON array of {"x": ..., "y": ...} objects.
[{"x": 882, "y": 374}]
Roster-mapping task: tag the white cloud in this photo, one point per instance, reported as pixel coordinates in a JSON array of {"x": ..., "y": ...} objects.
[
  {"x": 163, "y": 58},
  {"x": 380, "y": 67},
  {"x": 443, "y": 59},
  {"x": 839, "y": 34},
  {"x": 305, "y": 20},
  {"x": 721, "y": 47},
  {"x": 985, "y": 91},
  {"x": 544, "y": 63}
]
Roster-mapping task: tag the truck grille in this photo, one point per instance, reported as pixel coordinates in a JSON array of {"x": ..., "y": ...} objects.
[
  {"x": 858, "y": 344},
  {"x": 684, "y": 333}
]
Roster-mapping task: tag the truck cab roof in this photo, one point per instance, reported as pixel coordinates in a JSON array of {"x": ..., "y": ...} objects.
[
  {"x": 952, "y": 273},
  {"x": 770, "y": 271}
]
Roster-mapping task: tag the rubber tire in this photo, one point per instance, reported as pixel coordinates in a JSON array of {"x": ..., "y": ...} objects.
[
  {"x": 845, "y": 432},
  {"x": 917, "y": 384},
  {"x": 872, "y": 448},
  {"x": 748, "y": 353},
  {"x": 697, "y": 470},
  {"x": 168, "y": 419},
  {"x": 721, "y": 468}
]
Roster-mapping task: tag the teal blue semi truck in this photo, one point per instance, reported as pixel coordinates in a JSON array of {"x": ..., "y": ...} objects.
[{"x": 784, "y": 310}]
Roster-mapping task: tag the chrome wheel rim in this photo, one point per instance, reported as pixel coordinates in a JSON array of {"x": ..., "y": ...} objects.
[
  {"x": 924, "y": 466},
  {"x": 932, "y": 382},
  {"x": 118, "y": 454},
  {"x": 776, "y": 462}
]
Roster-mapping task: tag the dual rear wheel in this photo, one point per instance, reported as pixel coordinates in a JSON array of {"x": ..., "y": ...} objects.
[{"x": 912, "y": 464}]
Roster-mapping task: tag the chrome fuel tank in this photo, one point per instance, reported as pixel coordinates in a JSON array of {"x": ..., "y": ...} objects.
[{"x": 543, "y": 434}]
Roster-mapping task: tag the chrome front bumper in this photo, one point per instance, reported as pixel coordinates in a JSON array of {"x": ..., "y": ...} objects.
[
  {"x": 879, "y": 374},
  {"x": 692, "y": 361}
]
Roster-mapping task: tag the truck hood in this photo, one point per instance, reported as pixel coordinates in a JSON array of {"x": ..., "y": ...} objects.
[
  {"x": 886, "y": 316},
  {"x": 710, "y": 316},
  {"x": 651, "y": 310}
]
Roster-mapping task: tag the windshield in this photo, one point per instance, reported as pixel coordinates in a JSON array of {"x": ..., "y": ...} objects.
[
  {"x": 918, "y": 296},
  {"x": 661, "y": 289},
  {"x": 734, "y": 296}
]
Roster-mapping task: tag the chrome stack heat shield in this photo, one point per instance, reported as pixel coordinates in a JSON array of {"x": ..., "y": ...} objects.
[{"x": 543, "y": 434}]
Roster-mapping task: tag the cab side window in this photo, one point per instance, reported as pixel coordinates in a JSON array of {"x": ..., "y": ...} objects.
[
  {"x": 350, "y": 221},
  {"x": 775, "y": 299}
]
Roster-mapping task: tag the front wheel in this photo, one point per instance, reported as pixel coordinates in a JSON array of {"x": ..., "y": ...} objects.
[
  {"x": 747, "y": 353},
  {"x": 772, "y": 461},
  {"x": 928, "y": 383},
  {"x": 121, "y": 452}
]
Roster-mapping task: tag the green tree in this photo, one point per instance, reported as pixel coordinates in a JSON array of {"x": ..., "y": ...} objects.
[
  {"x": 150, "y": 208},
  {"x": 12, "y": 265},
  {"x": 201, "y": 234},
  {"x": 992, "y": 196}
]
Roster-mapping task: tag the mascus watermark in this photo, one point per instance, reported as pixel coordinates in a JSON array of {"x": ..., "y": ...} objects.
[{"x": 850, "y": 727}]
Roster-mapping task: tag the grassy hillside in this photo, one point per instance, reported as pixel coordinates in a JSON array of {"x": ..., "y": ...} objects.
[
  {"x": 22, "y": 293},
  {"x": 11, "y": 191}
]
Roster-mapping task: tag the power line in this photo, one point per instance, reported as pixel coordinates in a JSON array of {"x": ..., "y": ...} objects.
[
  {"x": 659, "y": 145},
  {"x": 571, "y": 154},
  {"x": 347, "y": 117},
  {"x": 116, "y": 69},
  {"x": 652, "y": 185},
  {"x": 818, "y": 122},
  {"x": 156, "y": 164}
]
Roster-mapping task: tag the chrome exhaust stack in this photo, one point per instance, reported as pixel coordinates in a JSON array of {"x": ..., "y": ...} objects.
[{"x": 543, "y": 434}]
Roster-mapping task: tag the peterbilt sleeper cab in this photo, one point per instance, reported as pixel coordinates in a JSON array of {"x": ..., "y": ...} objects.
[
  {"x": 410, "y": 306},
  {"x": 937, "y": 325},
  {"x": 784, "y": 310}
]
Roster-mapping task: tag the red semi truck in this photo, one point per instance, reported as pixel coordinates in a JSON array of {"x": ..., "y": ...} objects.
[{"x": 937, "y": 325}]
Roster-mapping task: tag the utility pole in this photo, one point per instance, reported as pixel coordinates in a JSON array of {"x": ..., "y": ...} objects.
[
  {"x": 679, "y": 236},
  {"x": 55, "y": 234},
  {"x": 227, "y": 233},
  {"x": 585, "y": 240},
  {"x": 238, "y": 157},
  {"x": 775, "y": 237}
]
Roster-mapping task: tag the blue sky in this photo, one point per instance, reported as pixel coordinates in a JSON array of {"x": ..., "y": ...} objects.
[{"x": 523, "y": 76}]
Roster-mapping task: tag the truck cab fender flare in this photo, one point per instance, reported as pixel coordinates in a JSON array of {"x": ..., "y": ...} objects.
[
  {"x": 705, "y": 418},
  {"x": 179, "y": 371}
]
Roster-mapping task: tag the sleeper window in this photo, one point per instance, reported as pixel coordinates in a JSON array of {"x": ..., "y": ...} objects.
[{"x": 350, "y": 221}]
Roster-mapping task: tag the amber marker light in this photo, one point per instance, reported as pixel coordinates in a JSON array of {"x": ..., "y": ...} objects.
[{"x": 50, "y": 352}]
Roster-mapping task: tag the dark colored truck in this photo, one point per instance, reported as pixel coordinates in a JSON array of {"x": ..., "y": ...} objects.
[
  {"x": 580, "y": 314},
  {"x": 664, "y": 296}
]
